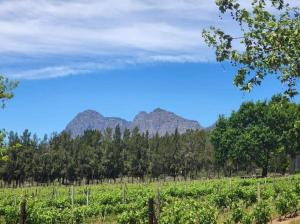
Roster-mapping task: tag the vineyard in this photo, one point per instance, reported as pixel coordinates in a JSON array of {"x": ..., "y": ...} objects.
[{"x": 203, "y": 201}]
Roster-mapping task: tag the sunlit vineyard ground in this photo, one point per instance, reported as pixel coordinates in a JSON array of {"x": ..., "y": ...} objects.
[{"x": 202, "y": 201}]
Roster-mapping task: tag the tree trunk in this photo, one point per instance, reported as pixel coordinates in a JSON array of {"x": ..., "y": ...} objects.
[
  {"x": 293, "y": 164},
  {"x": 264, "y": 171}
]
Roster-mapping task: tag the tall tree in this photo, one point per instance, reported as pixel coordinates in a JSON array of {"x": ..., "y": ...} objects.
[
  {"x": 108, "y": 154},
  {"x": 223, "y": 138},
  {"x": 117, "y": 151},
  {"x": 155, "y": 167},
  {"x": 89, "y": 155},
  {"x": 125, "y": 166},
  {"x": 137, "y": 155},
  {"x": 175, "y": 155}
]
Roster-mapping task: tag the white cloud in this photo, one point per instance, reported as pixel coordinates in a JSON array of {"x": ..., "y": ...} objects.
[
  {"x": 60, "y": 71},
  {"x": 56, "y": 71},
  {"x": 139, "y": 31},
  {"x": 99, "y": 26}
]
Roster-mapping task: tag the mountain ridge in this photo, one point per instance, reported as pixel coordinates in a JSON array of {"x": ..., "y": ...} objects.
[{"x": 157, "y": 121}]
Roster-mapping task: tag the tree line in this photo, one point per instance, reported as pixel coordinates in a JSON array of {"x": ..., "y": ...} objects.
[
  {"x": 97, "y": 156},
  {"x": 262, "y": 136}
]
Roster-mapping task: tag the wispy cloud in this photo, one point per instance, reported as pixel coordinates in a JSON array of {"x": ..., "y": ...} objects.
[{"x": 53, "y": 38}]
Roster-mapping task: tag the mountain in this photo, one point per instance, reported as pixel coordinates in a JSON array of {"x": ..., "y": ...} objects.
[
  {"x": 161, "y": 121},
  {"x": 158, "y": 121},
  {"x": 92, "y": 120}
]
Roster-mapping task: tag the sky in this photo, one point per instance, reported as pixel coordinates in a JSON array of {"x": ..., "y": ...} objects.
[{"x": 116, "y": 57}]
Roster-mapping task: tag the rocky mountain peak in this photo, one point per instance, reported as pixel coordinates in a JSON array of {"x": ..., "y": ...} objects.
[
  {"x": 161, "y": 121},
  {"x": 91, "y": 113},
  {"x": 92, "y": 120},
  {"x": 159, "y": 110}
]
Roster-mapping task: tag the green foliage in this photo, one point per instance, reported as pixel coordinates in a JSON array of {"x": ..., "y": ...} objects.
[
  {"x": 287, "y": 203},
  {"x": 239, "y": 215},
  {"x": 259, "y": 134},
  {"x": 268, "y": 43},
  {"x": 6, "y": 88},
  {"x": 262, "y": 212},
  {"x": 181, "y": 202},
  {"x": 11, "y": 215},
  {"x": 188, "y": 211},
  {"x": 95, "y": 156}
]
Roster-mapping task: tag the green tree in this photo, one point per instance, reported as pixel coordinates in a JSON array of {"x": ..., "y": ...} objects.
[
  {"x": 125, "y": 166},
  {"x": 288, "y": 114},
  {"x": 107, "y": 148},
  {"x": 268, "y": 43},
  {"x": 258, "y": 132},
  {"x": 42, "y": 163},
  {"x": 89, "y": 155},
  {"x": 6, "y": 88},
  {"x": 195, "y": 152},
  {"x": 155, "y": 167},
  {"x": 175, "y": 155},
  {"x": 138, "y": 154},
  {"x": 3, "y": 153},
  {"x": 117, "y": 147},
  {"x": 223, "y": 139}
]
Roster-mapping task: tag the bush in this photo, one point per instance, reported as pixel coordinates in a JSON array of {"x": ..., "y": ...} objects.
[
  {"x": 239, "y": 215},
  {"x": 287, "y": 203},
  {"x": 262, "y": 212},
  {"x": 188, "y": 211}
]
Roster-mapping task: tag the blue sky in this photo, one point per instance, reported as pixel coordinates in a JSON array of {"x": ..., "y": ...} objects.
[
  {"x": 199, "y": 91},
  {"x": 117, "y": 57}
]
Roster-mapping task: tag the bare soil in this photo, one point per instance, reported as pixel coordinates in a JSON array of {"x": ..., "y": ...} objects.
[{"x": 293, "y": 220}]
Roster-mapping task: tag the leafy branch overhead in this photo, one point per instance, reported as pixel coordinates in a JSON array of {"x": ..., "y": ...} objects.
[
  {"x": 268, "y": 44},
  {"x": 6, "y": 88}
]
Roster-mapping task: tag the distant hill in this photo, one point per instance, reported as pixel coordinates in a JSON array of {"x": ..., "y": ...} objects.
[{"x": 158, "y": 121}]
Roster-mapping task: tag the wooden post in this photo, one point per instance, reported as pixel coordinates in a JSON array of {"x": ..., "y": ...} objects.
[
  {"x": 158, "y": 202},
  {"x": 124, "y": 190},
  {"x": 53, "y": 193},
  {"x": 72, "y": 196},
  {"x": 151, "y": 214},
  {"x": 22, "y": 216},
  {"x": 87, "y": 197}
]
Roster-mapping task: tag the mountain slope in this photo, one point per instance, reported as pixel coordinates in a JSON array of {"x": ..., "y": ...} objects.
[
  {"x": 161, "y": 121},
  {"x": 92, "y": 120}
]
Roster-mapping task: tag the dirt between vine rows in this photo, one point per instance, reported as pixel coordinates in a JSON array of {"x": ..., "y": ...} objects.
[{"x": 294, "y": 220}]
